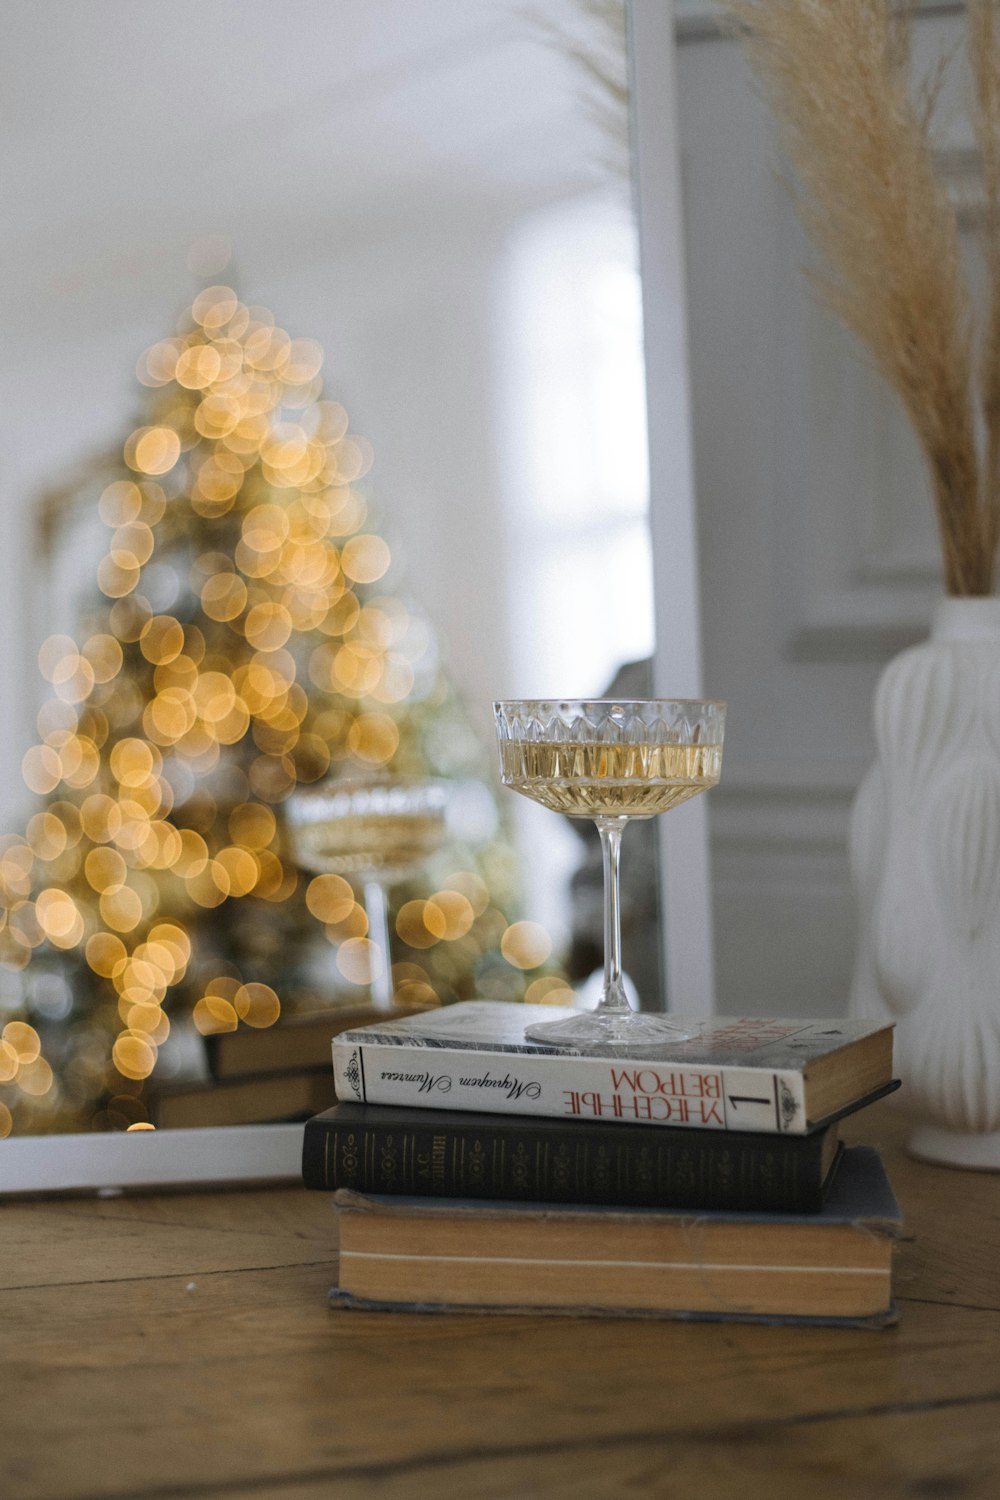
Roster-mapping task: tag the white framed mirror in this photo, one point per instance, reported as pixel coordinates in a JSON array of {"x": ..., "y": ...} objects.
[{"x": 444, "y": 200}]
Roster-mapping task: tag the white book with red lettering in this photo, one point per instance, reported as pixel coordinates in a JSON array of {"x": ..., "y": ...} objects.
[{"x": 737, "y": 1073}]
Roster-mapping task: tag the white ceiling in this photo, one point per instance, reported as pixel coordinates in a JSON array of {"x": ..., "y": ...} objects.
[{"x": 130, "y": 127}]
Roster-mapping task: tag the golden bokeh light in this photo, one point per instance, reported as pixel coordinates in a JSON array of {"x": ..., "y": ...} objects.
[
  {"x": 223, "y": 596},
  {"x": 268, "y": 626},
  {"x": 197, "y": 367},
  {"x": 352, "y": 924},
  {"x": 332, "y": 421},
  {"x": 257, "y": 1005},
  {"x": 133, "y": 763},
  {"x": 360, "y": 960},
  {"x": 120, "y": 503},
  {"x": 209, "y": 886},
  {"x": 217, "y": 416},
  {"x": 277, "y": 881},
  {"x": 227, "y": 986},
  {"x": 330, "y": 898},
  {"x": 412, "y": 928},
  {"x": 156, "y": 366},
  {"x": 526, "y": 945},
  {"x": 105, "y": 869},
  {"x": 214, "y": 1014},
  {"x": 214, "y": 307},
  {"x": 134, "y": 1055},
  {"x": 241, "y": 867},
  {"x": 57, "y": 658},
  {"x": 100, "y": 818},
  {"x": 121, "y": 909},
  {"x": 104, "y": 656},
  {"x": 365, "y": 558},
  {"x": 145, "y": 1018},
  {"x": 116, "y": 578},
  {"x": 193, "y": 856},
  {"x": 253, "y": 825},
  {"x": 550, "y": 989},
  {"x": 154, "y": 502},
  {"x": 46, "y": 835},
  {"x": 416, "y": 994},
  {"x": 373, "y": 738},
  {"x": 105, "y": 953},
  {"x": 6, "y": 1121},
  {"x": 350, "y": 460},
  {"x": 449, "y": 915},
  {"x": 175, "y": 940},
  {"x": 35, "y": 1077},
  {"x": 161, "y": 639},
  {"x": 22, "y": 1040},
  {"x": 139, "y": 1125},
  {"x": 132, "y": 545},
  {"x": 153, "y": 450},
  {"x": 58, "y": 917},
  {"x": 16, "y": 864}
]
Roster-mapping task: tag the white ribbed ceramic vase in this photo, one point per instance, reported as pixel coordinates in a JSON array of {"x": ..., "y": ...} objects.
[{"x": 925, "y": 862}]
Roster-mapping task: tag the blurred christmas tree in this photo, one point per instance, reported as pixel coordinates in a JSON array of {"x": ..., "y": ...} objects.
[{"x": 247, "y": 639}]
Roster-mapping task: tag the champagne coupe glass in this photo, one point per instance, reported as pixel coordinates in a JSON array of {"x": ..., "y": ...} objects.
[
  {"x": 610, "y": 760},
  {"x": 376, "y": 829}
]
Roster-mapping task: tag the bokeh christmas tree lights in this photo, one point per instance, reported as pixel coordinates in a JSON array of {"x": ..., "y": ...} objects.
[{"x": 247, "y": 636}]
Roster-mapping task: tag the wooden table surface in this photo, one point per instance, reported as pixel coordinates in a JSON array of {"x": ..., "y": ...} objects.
[{"x": 181, "y": 1346}]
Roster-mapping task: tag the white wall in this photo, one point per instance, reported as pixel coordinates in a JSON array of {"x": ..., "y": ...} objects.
[{"x": 818, "y": 556}]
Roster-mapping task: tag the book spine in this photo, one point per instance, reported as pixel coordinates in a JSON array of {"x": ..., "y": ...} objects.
[
  {"x": 583, "y": 1088},
  {"x": 565, "y": 1165}
]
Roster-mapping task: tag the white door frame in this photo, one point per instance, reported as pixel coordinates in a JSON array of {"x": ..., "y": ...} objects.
[{"x": 686, "y": 917}]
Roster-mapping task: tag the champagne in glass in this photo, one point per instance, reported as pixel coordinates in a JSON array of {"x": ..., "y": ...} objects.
[
  {"x": 610, "y": 761},
  {"x": 376, "y": 830}
]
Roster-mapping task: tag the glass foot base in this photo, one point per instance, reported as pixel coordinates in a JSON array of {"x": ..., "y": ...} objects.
[{"x": 622, "y": 1030}]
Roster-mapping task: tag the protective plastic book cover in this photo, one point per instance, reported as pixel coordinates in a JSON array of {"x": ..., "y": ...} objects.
[
  {"x": 735, "y": 1073},
  {"x": 733, "y": 1041}
]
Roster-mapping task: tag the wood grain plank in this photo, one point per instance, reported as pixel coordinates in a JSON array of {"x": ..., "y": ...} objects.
[
  {"x": 251, "y": 1380},
  {"x": 48, "y": 1247},
  {"x": 180, "y": 1347},
  {"x": 895, "y": 1457},
  {"x": 952, "y": 1218},
  {"x": 275, "y": 1208}
]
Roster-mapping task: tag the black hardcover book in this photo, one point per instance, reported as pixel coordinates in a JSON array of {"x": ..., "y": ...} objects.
[{"x": 375, "y": 1148}]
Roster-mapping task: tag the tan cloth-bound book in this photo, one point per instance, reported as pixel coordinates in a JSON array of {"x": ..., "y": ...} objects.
[{"x": 445, "y": 1255}]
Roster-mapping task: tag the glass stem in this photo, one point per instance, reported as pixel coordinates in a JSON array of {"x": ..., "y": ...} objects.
[
  {"x": 377, "y": 912},
  {"x": 614, "y": 997}
]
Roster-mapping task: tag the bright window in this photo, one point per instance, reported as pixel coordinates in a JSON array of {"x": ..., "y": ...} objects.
[{"x": 579, "y": 564}]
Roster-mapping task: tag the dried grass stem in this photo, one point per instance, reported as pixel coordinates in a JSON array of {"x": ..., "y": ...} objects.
[{"x": 856, "y": 133}]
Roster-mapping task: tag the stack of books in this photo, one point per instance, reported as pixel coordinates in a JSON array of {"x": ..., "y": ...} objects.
[{"x": 474, "y": 1170}]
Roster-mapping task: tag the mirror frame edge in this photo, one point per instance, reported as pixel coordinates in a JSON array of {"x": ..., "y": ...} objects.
[{"x": 685, "y": 881}]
